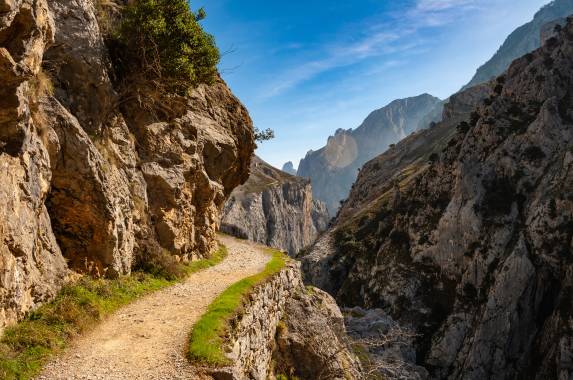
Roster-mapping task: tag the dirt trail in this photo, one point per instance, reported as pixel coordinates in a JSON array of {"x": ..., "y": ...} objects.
[{"x": 147, "y": 339}]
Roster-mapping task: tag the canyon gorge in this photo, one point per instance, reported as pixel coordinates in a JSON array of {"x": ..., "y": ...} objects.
[{"x": 434, "y": 241}]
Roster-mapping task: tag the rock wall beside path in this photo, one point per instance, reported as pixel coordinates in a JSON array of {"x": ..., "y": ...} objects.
[{"x": 285, "y": 328}]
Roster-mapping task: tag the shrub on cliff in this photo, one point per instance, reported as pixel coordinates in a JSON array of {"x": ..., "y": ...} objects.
[
  {"x": 162, "y": 41},
  {"x": 264, "y": 135}
]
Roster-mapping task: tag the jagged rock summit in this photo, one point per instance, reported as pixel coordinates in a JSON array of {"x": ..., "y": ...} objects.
[
  {"x": 289, "y": 168},
  {"x": 276, "y": 209},
  {"x": 333, "y": 169}
]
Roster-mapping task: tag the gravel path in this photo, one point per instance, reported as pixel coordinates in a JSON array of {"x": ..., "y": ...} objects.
[{"x": 147, "y": 339}]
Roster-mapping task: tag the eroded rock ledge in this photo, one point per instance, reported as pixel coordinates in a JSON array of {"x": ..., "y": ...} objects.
[
  {"x": 87, "y": 177},
  {"x": 288, "y": 329}
]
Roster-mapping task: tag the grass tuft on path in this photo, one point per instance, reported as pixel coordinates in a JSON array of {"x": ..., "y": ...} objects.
[
  {"x": 28, "y": 345},
  {"x": 207, "y": 337}
]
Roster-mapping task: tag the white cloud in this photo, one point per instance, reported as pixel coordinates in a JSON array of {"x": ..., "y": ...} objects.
[
  {"x": 368, "y": 46},
  {"x": 435, "y": 13}
]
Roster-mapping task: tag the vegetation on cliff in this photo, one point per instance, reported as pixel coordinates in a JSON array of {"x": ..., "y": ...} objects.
[
  {"x": 264, "y": 135},
  {"x": 162, "y": 41}
]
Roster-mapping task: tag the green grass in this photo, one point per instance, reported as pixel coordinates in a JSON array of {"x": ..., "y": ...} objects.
[
  {"x": 28, "y": 345},
  {"x": 206, "y": 342}
]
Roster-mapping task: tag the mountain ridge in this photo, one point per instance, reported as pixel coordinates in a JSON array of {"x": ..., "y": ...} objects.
[
  {"x": 521, "y": 41},
  {"x": 333, "y": 168}
]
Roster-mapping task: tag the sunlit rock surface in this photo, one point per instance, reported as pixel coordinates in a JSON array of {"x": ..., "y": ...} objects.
[
  {"x": 276, "y": 209},
  {"x": 334, "y": 168},
  {"x": 89, "y": 181}
]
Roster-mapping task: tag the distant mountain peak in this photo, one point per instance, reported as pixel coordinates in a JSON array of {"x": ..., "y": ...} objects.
[
  {"x": 333, "y": 168},
  {"x": 288, "y": 167}
]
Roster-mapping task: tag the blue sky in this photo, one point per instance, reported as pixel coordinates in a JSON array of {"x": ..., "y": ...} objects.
[{"x": 307, "y": 68}]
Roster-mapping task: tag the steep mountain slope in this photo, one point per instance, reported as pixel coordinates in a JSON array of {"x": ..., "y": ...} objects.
[
  {"x": 333, "y": 169},
  {"x": 524, "y": 40},
  {"x": 274, "y": 208},
  {"x": 87, "y": 177},
  {"x": 472, "y": 247}
]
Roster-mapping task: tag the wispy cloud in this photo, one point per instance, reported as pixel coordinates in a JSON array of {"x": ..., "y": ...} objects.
[
  {"x": 377, "y": 39},
  {"x": 442, "y": 5},
  {"x": 435, "y": 13},
  {"x": 339, "y": 55}
]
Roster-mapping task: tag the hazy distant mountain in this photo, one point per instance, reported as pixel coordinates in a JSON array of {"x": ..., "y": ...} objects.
[
  {"x": 523, "y": 40},
  {"x": 289, "y": 168},
  {"x": 334, "y": 168}
]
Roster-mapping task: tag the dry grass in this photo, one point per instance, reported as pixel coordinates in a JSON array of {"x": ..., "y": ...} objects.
[
  {"x": 107, "y": 13},
  {"x": 39, "y": 88}
]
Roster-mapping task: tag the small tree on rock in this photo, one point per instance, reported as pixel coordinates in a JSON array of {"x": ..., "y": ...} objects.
[
  {"x": 162, "y": 42},
  {"x": 264, "y": 135}
]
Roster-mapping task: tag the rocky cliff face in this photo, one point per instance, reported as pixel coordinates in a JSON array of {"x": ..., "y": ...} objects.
[
  {"x": 524, "y": 40},
  {"x": 87, "y": 177},
  {"x": 276, "y": 209},
  {"x": 472, "y": 247},
  {"x": 333, "y": 169}
]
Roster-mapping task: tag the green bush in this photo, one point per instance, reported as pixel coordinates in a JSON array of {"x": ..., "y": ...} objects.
[
  {"x": 162, "y": 41},
  {"x": 264, "y": 135}
]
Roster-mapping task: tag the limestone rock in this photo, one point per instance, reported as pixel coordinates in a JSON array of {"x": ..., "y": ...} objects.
[
  {"x": 89, "y": 201},
  {"x": 80, "y": 64},
  {"x": 276, "y": 209},
  {"x": 283, "y": 327},
  {"x": 191, "y": 164},
  {"x": 90, "y": 181},
  {"x": 31, "y": 264},
  {"x": 312, "y": 341}
]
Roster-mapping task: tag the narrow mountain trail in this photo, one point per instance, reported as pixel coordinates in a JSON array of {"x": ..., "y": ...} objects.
[{"x": 147, "y": 339}]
